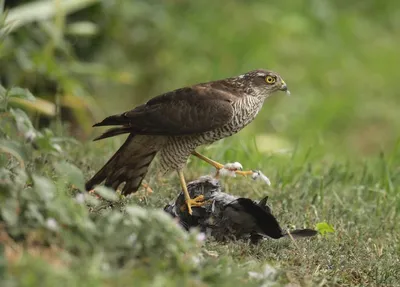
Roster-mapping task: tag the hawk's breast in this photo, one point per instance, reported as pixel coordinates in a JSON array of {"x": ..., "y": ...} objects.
[
  {"x": 174, "y": 154},
  {"x": 245, "y": 110}
]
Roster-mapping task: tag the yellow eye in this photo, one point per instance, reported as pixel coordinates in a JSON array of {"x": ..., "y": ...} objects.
[{"x": 270, "y": 80}]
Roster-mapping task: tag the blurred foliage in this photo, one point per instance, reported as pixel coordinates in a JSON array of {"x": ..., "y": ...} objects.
[{"x": 38, "y": 55}]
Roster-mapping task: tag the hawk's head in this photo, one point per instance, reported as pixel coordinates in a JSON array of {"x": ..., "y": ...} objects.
[{"x": 263, "y": 82}]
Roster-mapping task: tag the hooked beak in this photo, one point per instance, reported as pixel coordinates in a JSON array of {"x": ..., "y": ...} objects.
[{"x": 284, "y": 88}]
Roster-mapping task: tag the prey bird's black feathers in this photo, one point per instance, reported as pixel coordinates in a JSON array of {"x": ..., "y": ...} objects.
[
  {"x": 263, "y": 217},
  {"x": 228, "y": 217}
]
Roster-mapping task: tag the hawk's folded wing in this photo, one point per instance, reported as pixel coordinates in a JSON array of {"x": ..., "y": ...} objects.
[{"x": 184, "y": 111}]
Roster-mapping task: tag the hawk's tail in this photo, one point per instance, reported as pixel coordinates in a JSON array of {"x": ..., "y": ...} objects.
[
  {"x": 113, "y": 132},
  {"x": 128, "y": 165}
]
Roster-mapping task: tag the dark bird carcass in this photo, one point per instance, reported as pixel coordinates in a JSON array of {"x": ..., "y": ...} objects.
[
  {"x": 174, "y": 124},
  {"x": 226, "y": 217}
]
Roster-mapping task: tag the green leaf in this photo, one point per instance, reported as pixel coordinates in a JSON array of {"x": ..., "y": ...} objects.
[
  {"x": 21, "y": 93},
  {"x": 91, "y": 200},
  {"x": 83, "y": 28},
  {"x": 34, "y": 212},
  {"x": 3, "y": 101},
  {"x": 106, "y": 193},
  {"x": 5, "y": 179},
  {"x": 15, "y": 149},
  {"x": 1, "y": 6},
  {"x": 324, "y": 228},
  {"x": 71, "y": 173},
  {"x": 4, "y": 32},
  {"x": 24, "y": 124},
  {"x": 44, "y": 10},
  {"x": 46, "y": 142},
  {"x": 2, "y": 91},
  {"x": 39, "y": 105},
  {"x": 9, "y": 211},
  {"x": 43, "y": 187}
]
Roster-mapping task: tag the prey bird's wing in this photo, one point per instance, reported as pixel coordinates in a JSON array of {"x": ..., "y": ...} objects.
[{"x": 184, "y": 111}]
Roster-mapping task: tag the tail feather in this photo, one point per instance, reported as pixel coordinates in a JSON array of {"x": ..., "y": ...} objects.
[
  {"x": 128, "y": 165},
  {"x": 113, "y": 132},
  {"x": 112, "y": 121},
  {"x": 265, "y": 221}
]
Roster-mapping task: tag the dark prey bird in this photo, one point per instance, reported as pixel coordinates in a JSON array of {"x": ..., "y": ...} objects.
[
  {"x": 174, "y": 124},
  {"x": 228, "y": 217}
]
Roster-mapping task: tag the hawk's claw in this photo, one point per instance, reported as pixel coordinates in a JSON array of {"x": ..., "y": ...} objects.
[
  {"x": 232, "y": 169},
  {"x": 194, "y": 202},
  {"x": 147, "y": 188}
]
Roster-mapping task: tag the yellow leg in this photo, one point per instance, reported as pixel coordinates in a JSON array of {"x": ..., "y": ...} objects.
[
  {"x": 218, "y": 165},
  {"x": 215, "y": 164},
  {"x": 198, "y": 201},
  {"x": 147, "y": 188}
]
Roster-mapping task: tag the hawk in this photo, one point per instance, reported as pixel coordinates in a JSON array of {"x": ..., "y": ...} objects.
[{"x": 174, "y": 124}]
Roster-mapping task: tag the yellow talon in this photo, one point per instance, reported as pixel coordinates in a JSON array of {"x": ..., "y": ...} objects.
[
  {"x": 198, "y": 201},
  {"x": 147, "y": 188},
  {"x": 219, "y": 166},
  {"x": 244, "y": 173},
  {"x": 195, "y": 202}
]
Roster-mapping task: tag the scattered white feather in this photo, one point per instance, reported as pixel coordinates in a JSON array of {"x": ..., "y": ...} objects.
[
  {"x": 30, "y": 136},
  {"x": 269, "y": 273},
  {"x": 196, "y": 260},
  {"x": 213, "y": 206},
  {"x": 80, "y": 198},
  {"x": 233, "y": 166},
  {"x": 132, "y": 238},
  {"x": 259, "y": 175},
  {"x": 52, "y": 224},
  {"x": 226, "y": 172},
  {"x": 230, "y": 168},
  {"x": 200, "y": 237}
]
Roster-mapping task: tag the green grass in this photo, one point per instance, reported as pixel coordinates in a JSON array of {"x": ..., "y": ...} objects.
[{"x": 93, "y": 246}]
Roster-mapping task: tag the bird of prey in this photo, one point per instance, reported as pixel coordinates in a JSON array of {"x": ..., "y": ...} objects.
[
  {"x": 227, "y": 217},
  {"x": 174, "y": 124}
]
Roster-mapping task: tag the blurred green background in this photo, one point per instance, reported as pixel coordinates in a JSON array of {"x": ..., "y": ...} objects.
[
  {"x": 331, "y": 149},
  {"x": 96, "y": 58}
]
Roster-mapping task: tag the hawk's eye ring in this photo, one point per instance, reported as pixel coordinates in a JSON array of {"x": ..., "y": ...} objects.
[{"x": 270, "y": 80}]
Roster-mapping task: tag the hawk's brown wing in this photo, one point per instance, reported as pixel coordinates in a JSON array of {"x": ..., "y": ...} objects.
[{"x": 184, "y": 111}]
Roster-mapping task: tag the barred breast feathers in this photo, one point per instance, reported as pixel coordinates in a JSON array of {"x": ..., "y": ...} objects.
[{"x": 178, "y": 148}]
